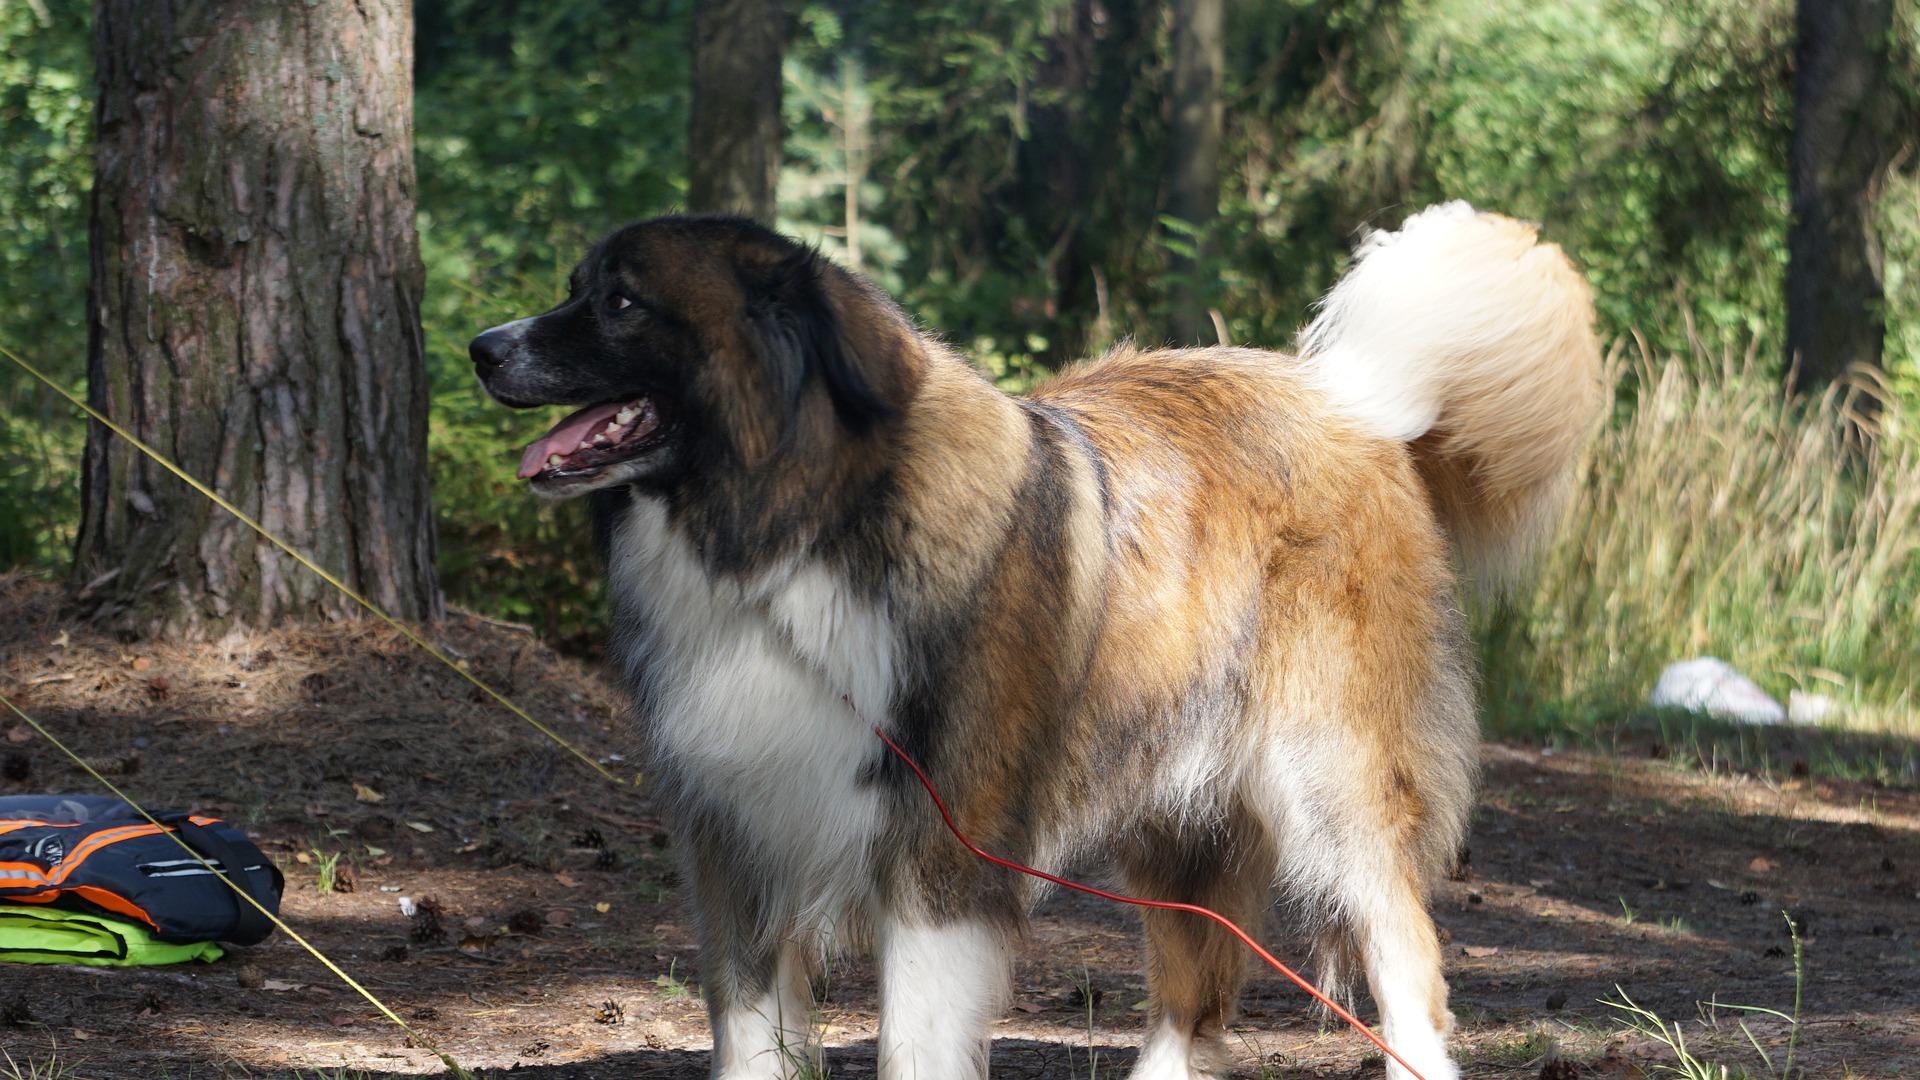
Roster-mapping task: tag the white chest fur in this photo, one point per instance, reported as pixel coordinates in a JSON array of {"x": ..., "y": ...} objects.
[{"x": 746, "y": 683}]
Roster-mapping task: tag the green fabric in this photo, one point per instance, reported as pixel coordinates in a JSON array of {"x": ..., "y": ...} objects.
[{"x": 40, "y": 934}]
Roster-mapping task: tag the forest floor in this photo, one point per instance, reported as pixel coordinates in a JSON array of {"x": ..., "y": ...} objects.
[{"x": 562, "y": 949}]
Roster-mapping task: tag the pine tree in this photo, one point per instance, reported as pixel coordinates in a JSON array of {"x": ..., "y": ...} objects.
[{"x": 254, "y": 313}]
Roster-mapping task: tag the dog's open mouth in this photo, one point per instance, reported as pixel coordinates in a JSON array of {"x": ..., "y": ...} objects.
[{"x": 592, "y": 439}]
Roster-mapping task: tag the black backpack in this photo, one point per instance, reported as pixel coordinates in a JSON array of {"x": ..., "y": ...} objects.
[{"x": 98, "y": 854}]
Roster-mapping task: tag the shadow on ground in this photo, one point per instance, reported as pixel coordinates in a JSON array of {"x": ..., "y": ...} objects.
[{"x": 562, "y": 952}]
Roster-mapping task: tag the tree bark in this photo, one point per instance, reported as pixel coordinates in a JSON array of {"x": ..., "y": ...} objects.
[
  {"x": 1843, "y": 143},
  {"x": 1193, "y": 154},
  {"x": 734, "y": 136},
  {"x": 254, "y": 314}
]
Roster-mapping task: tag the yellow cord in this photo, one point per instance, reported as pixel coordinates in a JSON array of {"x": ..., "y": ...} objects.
[
  {"x": 311, "y": 565},
  {"x": 418, "y": 1038}
]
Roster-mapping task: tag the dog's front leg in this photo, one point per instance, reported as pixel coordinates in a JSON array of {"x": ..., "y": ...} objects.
[
  {"x": 941, "y": 984},
  {"x": 762, "y": 1016},
  {"x": 753, "y": 974}
]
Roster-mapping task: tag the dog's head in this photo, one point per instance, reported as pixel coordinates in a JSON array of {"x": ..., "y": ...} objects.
[{"x": 699, "y": 344}]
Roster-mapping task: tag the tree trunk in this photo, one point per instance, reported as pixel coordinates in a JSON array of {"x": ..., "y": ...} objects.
[
  {"x": 734, "y": 137},
  {"x": 254, "y": 314},
  {"x": 1070, "y": 174},
  {"x": 1842, "y": 145},
  {"x": 1193, "y": 155}
]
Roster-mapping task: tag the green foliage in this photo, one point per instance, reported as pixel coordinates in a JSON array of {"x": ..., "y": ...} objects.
[
  {"x": 1324, "y": 131},
  {"x": 46, "y": 126},
  {"x": 502, "y": 552},
  {"x": 1006, "y": 164},
  {"x": 1019, "y": 149},
  {"x": 1648, "y": 139},
  {"x": 1899, "y": 220},
  {"x": 827, "y": 189},
  {"x": 540, "y": 126}
]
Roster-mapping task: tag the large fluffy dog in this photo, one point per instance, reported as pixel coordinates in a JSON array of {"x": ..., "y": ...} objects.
[{"x": 1188, "y": 613}]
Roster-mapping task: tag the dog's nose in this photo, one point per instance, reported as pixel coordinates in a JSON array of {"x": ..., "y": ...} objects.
[{"x": 489, "y": 351}]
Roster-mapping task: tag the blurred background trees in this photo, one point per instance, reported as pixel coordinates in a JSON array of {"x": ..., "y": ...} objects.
[
  {"x": 46, "y": 130},
  {"x": 1194, "y": 115},
  {"x": 1013, "y": 172}
]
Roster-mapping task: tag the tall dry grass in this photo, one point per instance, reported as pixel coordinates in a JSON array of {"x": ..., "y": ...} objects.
[{"x": 1717, "y": 519}]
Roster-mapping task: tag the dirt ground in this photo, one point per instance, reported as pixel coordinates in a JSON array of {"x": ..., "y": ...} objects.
[{"x": 558, "y": 947}]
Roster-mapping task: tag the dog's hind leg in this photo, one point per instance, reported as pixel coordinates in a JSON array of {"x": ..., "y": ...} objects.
[
  {"x": 1387, "y": 930},
  {"x": 1362, "y": 828},
  {"x": 941, "y": 985},
  {"x": 1194, "y": 967},
  {"x": 1360, "y": 747}
]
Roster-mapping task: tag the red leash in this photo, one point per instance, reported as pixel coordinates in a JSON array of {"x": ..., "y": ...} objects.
[{"x": 1166, "y": 905}]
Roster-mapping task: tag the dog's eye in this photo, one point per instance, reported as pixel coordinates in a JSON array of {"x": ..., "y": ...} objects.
[{"x": 616, "y": 302}]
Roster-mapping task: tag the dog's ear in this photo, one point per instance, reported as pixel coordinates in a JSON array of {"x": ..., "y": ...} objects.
[
  {"x": 806, "y": 315},
  {"x": 879, "y": 362},
  {"x": 768, "y": 389}
]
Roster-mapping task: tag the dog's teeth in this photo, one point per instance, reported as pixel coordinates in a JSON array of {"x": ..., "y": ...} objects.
[
  {"x": 556, "y": 459},
  {"x": 623, "y": 418},
  {"x": 613, "y": 426},
  {"x": 599, "y": 440}
]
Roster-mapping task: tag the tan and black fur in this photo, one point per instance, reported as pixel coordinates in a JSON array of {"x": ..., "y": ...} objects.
[{"x": 1189, "y": 613}]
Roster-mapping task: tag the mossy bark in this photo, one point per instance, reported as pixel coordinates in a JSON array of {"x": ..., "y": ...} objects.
[{"x": 254, "y": 314}]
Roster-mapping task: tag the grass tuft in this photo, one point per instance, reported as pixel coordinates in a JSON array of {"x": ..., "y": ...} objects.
[
  {"x": 33, "y": 1068},
  {"x": 1690, "y": 1064},
  {"x": 326, "y": 870},
  {"x": 1715, "y": 518}
]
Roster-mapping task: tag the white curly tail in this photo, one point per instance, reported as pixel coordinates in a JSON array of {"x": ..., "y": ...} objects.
[{"x": 1464, "y": 336}]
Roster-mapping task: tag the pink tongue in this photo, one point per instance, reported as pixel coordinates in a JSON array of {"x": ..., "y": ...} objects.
[{"x": 566, "y": 437}]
